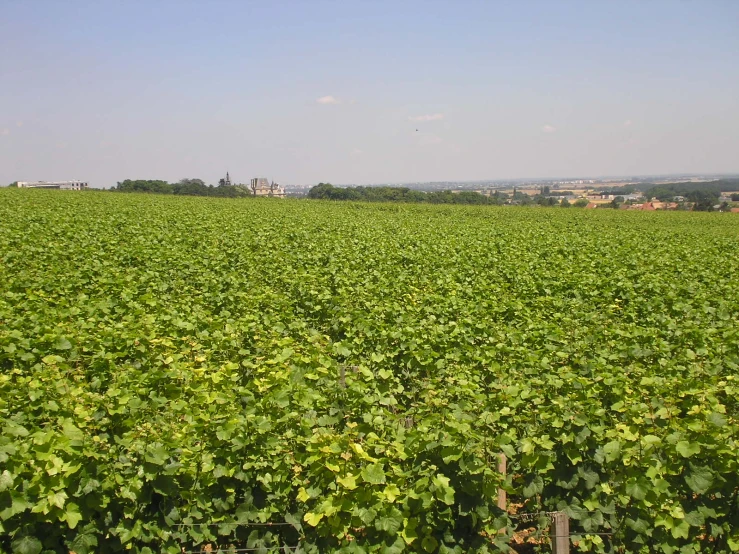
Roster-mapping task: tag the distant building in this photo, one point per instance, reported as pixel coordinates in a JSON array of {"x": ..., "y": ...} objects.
[
  {"x": 591, "y": 206},
  {"x": 63, "y": 185},
  {"x": 262, "y": 187},
  {"x": 225, "y": 182}
]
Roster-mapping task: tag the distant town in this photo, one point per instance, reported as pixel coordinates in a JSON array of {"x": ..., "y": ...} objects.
[{"x": 648, "y": 193}]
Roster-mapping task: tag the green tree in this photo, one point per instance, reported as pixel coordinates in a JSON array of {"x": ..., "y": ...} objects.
[
  {"x": 322, "y": 191},
  {"x": 191, "y": 187},
  {"x": 144, "y": 185},
  {"x": 565, "y": 203},
  {"x": 581, "y": 203},
  {"x": 704, "y": 200}
]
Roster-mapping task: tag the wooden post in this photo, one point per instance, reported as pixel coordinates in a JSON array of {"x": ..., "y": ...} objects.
[
  {"x": 501, "y": 493},
  {"x": 342, "y": 376},
  {"x": 560, "y": 533}
]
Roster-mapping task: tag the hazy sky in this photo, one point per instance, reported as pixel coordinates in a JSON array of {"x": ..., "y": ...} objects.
[{"x": 311, "y": 91}]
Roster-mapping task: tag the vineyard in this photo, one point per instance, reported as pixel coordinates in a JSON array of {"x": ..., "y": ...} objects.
[{"x": 194, "y": 373}]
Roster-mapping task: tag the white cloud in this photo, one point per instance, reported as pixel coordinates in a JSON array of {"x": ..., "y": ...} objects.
[
  {"x": 427, "y": 117},
  {"x": 327, "y": 100},
  {"x": 548, "y": 129},
  {"x": 628, "y": 123}
]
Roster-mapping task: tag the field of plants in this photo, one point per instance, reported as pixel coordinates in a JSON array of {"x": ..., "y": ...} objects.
[{"x": 182, "y": 372}]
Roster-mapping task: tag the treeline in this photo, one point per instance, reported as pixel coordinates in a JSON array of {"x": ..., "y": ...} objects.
[
  {"x": 686, "y": 189},
  {"x": 703, "y": 195},
  {"x": 619, "y": 191},
  {"x": 186, "y": 187},
  {"x": 326, "y": 191}
]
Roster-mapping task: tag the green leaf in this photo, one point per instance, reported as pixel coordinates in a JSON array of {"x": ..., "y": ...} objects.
[
  {"x": 391, "y": 492},
  {"x": 26, "y": 545},
  {"x": 14, "y": 430},
  {"x": 637, "y": 488},
  {"x": 639, "y": 525},
  {"x": 367, "y": 515},
  {"x": 687, "y": 449},
  {"x": 72, "y": 515},
  {"x": 62, "y": 344},
  {"x": 612, "y": 451},
  {"x": 533, "y": 487},
  {"x": 373, "y": 474},
  {"x": 389, "y": 523},
  {"x": 429, "y": 544},
  {"x": 57, "y": 498},
  {"x": 717, "y": 419},
  {"x": 157, "y": 454},
  {"x": 444, "y": 491},
  {"x": 409, "y": 532},
  {"x": 700, "y": 479},
  {"x": 695, "y": 518},
  {"x": 83, "y": 543},
  {"x": 681, "y": 531},
  {"x": 395, "y": 547},
  {"x": 18, "y": 504},
  {"x": 348, "y": 481},
  {"x": 312, "y": 518},
  {"x": 72, "y": 432},
  {"x": 6, "y": 480}
]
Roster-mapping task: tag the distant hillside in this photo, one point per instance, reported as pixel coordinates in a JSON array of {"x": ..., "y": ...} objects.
[
  {"x": 703, "y": 195},
  {"x": 685, "y": 187}
]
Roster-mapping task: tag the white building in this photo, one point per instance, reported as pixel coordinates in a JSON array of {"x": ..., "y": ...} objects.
[
  {"x": 63, "y": 185},
  {"x": 262, "y": 187}
]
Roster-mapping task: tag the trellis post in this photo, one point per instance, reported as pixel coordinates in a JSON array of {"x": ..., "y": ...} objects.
[
  {"x": 560, "y": 533},
  {"x": 501, "y": 493}
]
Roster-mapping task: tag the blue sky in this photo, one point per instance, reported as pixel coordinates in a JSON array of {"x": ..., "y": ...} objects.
[{"x": 303, "y": 92}]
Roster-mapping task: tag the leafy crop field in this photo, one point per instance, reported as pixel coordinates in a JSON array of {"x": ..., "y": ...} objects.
[{"x": 172, "y": 375}]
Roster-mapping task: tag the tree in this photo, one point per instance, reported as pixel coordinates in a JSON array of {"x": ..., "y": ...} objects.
[
  {"x": 14, "y": 184},
  {"x": 565, "y": 203},
  {"x": 322, "y": 191},
  {"x": 703, "y": 199},
  {"x": 498, "y": 198},
  {"x": 616, "y": 202},
  {"x": 191, "y": 187},
  {"x": 735, "y": 197},
  {"x": 144, "y": 185},
  {"x": 581, "y": 203}
]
